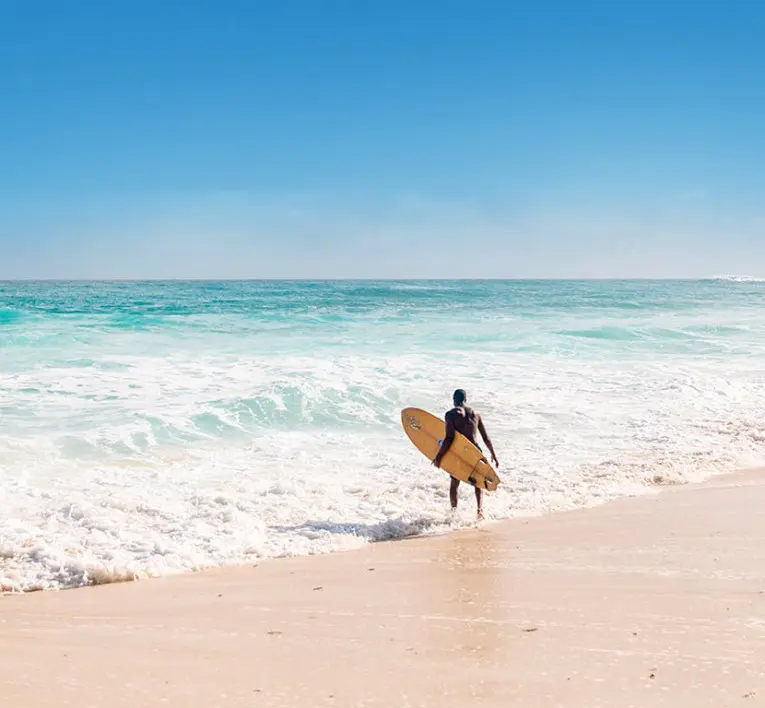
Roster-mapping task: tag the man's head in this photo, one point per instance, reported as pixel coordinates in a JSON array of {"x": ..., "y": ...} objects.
[{"x": 459, "y": 397}]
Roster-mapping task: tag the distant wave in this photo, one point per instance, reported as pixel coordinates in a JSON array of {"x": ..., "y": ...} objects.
[
  {"x": 739, "y": 278},
  {"x": 612, "y": 333},
  {"x": 9, "y": 316}
]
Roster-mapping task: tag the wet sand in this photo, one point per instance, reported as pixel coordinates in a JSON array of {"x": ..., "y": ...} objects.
[{"x": 651, "y": 601}]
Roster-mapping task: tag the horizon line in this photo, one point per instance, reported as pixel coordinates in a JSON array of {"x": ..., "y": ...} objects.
[{"x": 386, "y": 279}]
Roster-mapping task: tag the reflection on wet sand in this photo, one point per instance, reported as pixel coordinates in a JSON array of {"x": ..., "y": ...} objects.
[{"x": 469, "y": 585}]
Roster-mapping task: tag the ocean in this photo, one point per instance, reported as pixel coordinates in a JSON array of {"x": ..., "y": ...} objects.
[{"x": 149, "y": 428}]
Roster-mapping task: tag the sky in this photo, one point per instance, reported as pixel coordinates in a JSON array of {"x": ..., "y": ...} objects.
[{"x": 381, "y": 139}]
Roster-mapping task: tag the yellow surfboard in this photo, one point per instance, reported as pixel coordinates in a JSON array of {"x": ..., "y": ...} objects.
[{"x": 463, "y": 459}]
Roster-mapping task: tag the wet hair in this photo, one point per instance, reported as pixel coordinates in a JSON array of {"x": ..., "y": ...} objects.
[{"x": 459, "y": 397}]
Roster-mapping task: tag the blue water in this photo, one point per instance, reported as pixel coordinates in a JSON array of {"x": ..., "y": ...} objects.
[{"x": 158, "y": 427}]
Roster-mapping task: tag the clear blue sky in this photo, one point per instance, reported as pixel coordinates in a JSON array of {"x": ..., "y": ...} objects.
[{"x": 381, "y": 138}]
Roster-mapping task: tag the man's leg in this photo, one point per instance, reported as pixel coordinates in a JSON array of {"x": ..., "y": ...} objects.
[
  {"x": 453, "y": 492},
  {"x": 479, "y": 494}
]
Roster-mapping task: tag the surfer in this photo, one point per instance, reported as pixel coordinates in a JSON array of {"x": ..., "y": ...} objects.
[{"x": 468, "y": 422}]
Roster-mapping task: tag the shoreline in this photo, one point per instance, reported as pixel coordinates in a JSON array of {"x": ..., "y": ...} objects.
[
  {"x": 443, "y": 531},
  {"x": 652, "y": 600}
]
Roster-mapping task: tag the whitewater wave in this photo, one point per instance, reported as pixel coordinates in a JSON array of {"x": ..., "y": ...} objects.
[
  {"x": 140, "y": 482},
  {"x": 739, "y": 278}
]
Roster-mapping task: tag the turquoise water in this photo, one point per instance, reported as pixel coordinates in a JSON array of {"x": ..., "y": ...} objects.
[{"x": 158, "y": 427}]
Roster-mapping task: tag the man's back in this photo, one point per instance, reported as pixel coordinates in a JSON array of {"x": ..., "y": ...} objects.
[{"x": 465, "y": 420}]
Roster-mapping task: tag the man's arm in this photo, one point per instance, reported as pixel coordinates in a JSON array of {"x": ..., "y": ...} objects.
[
  {"x": 445, "y": 444},
  {"x": 485, "y": 436}
]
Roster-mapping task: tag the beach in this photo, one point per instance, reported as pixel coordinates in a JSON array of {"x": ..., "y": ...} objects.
[
  {"x": 650, "y": 601},
  {"x": 237, "y": 448}
]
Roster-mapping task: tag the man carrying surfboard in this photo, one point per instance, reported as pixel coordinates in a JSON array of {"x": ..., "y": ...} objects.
[{"x": 464, "y": 420}]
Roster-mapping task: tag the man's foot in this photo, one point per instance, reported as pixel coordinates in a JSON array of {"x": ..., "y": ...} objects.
[{"x": 479, "y": 515}]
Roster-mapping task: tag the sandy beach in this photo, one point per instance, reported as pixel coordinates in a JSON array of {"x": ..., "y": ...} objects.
[{"x": 648, "y": 601}]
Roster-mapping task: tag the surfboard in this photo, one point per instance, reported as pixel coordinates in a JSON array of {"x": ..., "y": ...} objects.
[{"x": 463, "y": 460}]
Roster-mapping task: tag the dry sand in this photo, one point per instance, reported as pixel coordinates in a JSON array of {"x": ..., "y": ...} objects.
[{"x": 654, "y": 601}]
